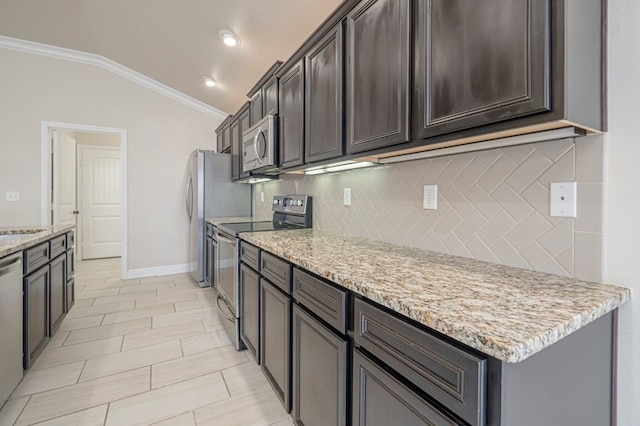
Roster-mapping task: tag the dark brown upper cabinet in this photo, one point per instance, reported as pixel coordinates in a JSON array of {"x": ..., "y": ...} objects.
[
  {"x": 223, "y": 135},
  {"x": 480, "y": 62},
  {"x": 256, "y": 107},
  {"x": 236, "y": 148},
  {"x": 264, "y": 95},
  {"x": 378, "y": 70},
  {"x": 239, "y": 123},
  {"x": 244, "y": 122},
  {"x": 270, "y": 97},
  {"x": 324, "y": 98},
  {"x": 291, "y": 129}
]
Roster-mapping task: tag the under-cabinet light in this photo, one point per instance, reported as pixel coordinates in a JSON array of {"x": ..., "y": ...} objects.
[
  {"x": 548, "y": 135},
  {"x": 338, "y": 167}
]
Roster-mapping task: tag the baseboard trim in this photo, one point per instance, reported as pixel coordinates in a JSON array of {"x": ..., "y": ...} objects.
[
  {"x": 156, "y": 271},
  {"x": 71, "y": 55}
]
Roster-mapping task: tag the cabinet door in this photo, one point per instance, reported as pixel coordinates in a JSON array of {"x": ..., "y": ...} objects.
[
  {"x": 71, "y": 294},
  {"x": 249, "y": 309},
  {"x": 380, "y": 399},
  {"x": 236, "y": 150},
  {"x": 58, "y": 280},
  {"x": 227, "y": 138},
  {"x": 480, "y": 62},
  {"x": 36, "y": 314},
  {"x": 270, "y": 93},
  {"x": 377, "y": 85},
  {"x": 244, "y": 122},
  {"x": 220, "y": 141},
  {"x": 275, "y": 340},
  {"x": 323, "y": 98},
  {"x": 292, "y": 117},
  {"x": 256, "y": 108},
  {"x": 319, "y": 373}
]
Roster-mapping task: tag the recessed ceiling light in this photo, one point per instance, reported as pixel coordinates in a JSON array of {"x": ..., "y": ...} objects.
[
  {"x": 229, "y": 38},
  {"x": 209, "y": 81}
]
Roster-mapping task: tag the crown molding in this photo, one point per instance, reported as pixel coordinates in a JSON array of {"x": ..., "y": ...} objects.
[{"x": 111, "y": 66}]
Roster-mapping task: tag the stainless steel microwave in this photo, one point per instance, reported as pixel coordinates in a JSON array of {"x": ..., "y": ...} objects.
[{"x": 260, "y": 146}]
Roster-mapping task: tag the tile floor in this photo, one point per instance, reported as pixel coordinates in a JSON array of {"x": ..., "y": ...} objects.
[{"x": 142, "y": 352}]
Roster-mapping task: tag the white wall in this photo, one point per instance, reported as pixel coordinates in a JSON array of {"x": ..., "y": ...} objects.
[
  {"x": 161, "y": 134},
  {"x": 623, "y": 203}
]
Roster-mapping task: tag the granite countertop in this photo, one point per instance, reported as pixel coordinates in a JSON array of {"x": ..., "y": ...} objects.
[
  {"x": 505, "y": 312},
  {"x": 231, "y": 219},
  {"x": 32, "y": 236}
]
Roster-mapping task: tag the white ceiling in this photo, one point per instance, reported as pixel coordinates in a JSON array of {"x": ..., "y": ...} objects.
[{"x": 174, "y": 41}]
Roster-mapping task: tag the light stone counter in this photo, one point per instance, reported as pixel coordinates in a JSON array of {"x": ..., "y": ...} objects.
[
  {"x": 33, "y": 235},
  {"x": 505, "y": 312},
  {"x": 231, "y": 219}
]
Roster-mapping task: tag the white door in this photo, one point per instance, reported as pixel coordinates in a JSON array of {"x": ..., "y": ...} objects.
[
  {"x": 101, "y": 205},
  {"x": 64, "y": 179}
]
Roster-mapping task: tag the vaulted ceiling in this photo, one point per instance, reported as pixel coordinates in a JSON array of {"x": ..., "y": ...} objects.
[{"x": 174, "y": 41}]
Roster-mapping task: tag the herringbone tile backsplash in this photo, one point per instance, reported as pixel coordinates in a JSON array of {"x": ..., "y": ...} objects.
[{"x": 492, "y": 205}]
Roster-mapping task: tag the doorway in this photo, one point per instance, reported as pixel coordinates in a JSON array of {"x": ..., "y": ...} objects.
[{"x": 84, "y": 184}]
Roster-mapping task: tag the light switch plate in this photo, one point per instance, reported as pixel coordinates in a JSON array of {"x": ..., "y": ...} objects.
[
  {"x": 13, "y": 196},
  {"x": 262, "y": 197},
  {"x": 347, "y": 196},
  {"x": 563, "y": 199}
]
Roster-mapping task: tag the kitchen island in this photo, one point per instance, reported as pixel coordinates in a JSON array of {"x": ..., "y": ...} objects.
[
  {"x": 543, "y": 345},
  {"x": 38, "y": 289}
]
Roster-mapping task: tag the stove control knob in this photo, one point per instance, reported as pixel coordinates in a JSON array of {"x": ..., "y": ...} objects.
[
  {"x": 299, "y": 203},
  {"x": 276, "y": 202}
]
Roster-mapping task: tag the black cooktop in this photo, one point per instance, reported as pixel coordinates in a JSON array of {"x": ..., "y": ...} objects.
[{"x": 236, "y": 228}]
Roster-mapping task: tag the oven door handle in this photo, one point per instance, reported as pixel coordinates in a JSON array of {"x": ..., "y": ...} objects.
[{"x": 221, "y": 309}]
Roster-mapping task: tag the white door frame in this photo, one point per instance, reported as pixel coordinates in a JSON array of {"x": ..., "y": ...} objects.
[{"x": 45, "y": 177}]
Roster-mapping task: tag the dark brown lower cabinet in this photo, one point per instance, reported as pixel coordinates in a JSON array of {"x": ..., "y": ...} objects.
[
  {"x": 71, "y": 294},
  {"x": 319, "y": 372},
  {"x": 275, "y": 340},
  {"x": 36, "y": 314},
  {"x": 381, "y": 399},
  {"x": 249, "y": 310},
  {"x": 58, "y": 286}
]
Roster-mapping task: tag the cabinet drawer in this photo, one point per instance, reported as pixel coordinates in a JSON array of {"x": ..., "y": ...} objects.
[
  {"x": 454, "y": 377},
  {"x": 35, "y": 257},
  {"x": 276, "y": 270},
  {"x": 58, "y": 245},
  {"x": 71, "y": 239},
  {"x": 323, "y": 299},
  {"x": 250, "y": 255},
  {"x": 372, "y": 385},
  {"x": 209, "y": 230}
]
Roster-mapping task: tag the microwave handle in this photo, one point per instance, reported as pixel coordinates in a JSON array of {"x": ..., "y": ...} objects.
[{"x": 255, "y": 144}]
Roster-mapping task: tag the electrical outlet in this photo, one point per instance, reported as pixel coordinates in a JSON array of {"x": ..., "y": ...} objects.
[
  {"x": 563, "y": 199},
  {"x": 347, "y": 196},
  {"x": 262, "y": 197},
  {"x": 430, "y": 197},
  {"x": 13, "y": 196}
]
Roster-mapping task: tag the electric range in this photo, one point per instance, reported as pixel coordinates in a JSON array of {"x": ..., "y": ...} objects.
[{"x": 289, "y": 212}]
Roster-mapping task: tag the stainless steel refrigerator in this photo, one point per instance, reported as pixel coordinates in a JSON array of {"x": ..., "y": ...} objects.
[{"x": 210, "y": 193}]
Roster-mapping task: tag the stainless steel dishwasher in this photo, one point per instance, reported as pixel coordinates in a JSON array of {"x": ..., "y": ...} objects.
[{"x": 10, "y": 324}]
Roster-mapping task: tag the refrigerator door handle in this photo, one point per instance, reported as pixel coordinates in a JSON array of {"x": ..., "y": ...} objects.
[{"x": 188, "y": 198}]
